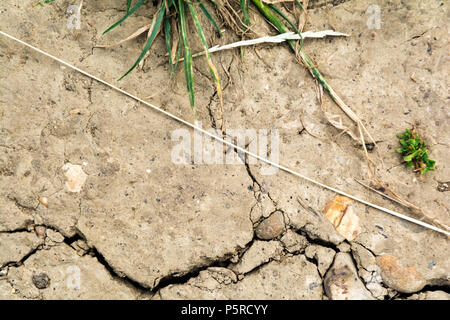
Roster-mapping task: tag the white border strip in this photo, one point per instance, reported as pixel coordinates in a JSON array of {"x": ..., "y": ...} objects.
[{"x": 281, "y": 167}]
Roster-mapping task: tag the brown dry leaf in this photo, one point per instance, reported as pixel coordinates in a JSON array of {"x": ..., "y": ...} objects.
[
  {"x": 134, "y": 35},
  {"x": 340, "y": 213},
  {"x": 149, "y": 33},
  {"x": 175, "y": 39},
  {"x": 303, "y": 16}
]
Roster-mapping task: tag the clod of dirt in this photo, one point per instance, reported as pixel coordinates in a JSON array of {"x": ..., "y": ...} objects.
[
  {"x": 368, "y": 270},
  {"x": 430, "y": 295},
  {"x": 80, "y": 247},
  {"x": 404, "y": 279},
  {"x": 11, "y": 217},
  {"x": 40, "y": 231},
  {"x": 66, "y": 276},
  {"x": 275, "y": 280},
  {"x": 55, "y": 236},
  {"x": 294, "y": 242},
  {"x": 344, "y": 247},
  {"x": 340, "y": 213},
  {"x": 15, "y": 246},
  {"x": 342, "y": 281},
  {"x": 259, "y": 253},
  {"x": 323, "y": 255},
  {"x": 75, "y": 177},
  {"x": 41, "y": 281},
  {"x": 271, "y": 227}
]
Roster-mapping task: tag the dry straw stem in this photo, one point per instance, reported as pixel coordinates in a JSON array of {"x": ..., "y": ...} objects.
[{"x": 381, "y": 187}]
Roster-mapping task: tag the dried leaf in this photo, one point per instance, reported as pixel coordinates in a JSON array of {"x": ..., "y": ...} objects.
[
  {"x": 137, "y": 33},
  {"x": 340, "y": 213}
]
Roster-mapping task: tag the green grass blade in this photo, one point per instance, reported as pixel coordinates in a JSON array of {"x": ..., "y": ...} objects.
[
  {"x": 129, "y": 12},
  {"x": 199, "y": 28},
  {"x": 41, "y": 3},
  {"x": 187, "y": 55},
  {"x": 210, "y": 18},
  {"x": 128, "y": 5},
  {"x": 178, "y": 55},
  {"x": 161, "y": 14},
  {"x": 212, "y": 67},
  {"x": 244, "y": 8},
  {"x": 167, "y": 32},
  {"x": 281, "y": 14},
  {"x": 216, "y": 3},
  {"x": 300, "y": 5}
]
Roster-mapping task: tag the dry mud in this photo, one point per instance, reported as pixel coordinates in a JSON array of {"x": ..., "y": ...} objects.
[{"x": 144, "y": 227}]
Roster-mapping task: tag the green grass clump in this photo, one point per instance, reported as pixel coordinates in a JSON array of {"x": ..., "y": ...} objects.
[
  {"x": 171, "y": 18},
  {"x": 414, "y": 152},
  {"x": 173, "y": 14}
]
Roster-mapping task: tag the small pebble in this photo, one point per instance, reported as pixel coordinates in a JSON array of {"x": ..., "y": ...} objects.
[
  {"x": 40, "y": 231},
  {"x": 271, "y": 227},
  {"x": 43, "y": 201},
  {"x": 41, "y": 281},
  {"x": 402, "y": 278}
]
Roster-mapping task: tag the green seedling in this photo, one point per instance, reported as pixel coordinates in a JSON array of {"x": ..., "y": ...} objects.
[
  {"x": 414, "y": 152},
  {"x": 40, "y": 3}
]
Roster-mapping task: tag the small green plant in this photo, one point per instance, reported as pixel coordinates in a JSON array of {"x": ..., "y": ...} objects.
[
  {"x": 40, "y": 3},
  {"x": 414, "y": 152}
]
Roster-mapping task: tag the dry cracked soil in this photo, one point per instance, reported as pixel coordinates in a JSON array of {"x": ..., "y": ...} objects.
[{"x": 144, "y": 227}]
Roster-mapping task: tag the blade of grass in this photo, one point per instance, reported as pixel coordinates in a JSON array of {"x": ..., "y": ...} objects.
[
  {"x": 167, "y": 33},
  {"x": 300, "y": 5},
  {"x": 187, "y": 55},
  {"x": 128, "y": 5},
  {"x": 244, "y": 8},
  {"x": 281, "y": 14},
  {"x": 161, "y": 13},
  {"x": 40, "y": 3},
  {"x": 212, "y": 67},
  {"x": 210, "y": 18},
  {"x": 129, "y": 13}
]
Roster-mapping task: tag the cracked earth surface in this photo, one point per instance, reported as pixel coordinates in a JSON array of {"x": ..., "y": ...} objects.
[{"x": 200, "y": 231}]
